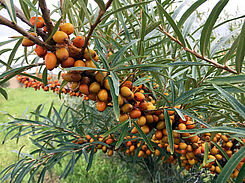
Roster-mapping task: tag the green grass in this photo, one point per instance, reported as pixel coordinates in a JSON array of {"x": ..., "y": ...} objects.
[
  {"x": 104, "y": 169},
  {"x": 19, "y": 100}
]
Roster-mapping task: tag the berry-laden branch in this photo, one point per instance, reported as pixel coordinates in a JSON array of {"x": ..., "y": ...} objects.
[
  {"x": 46, "y": 16},
  {"x": 193, "y": 52},
  {"x": 19, "y": 29},
  {"x": 22, "y": 17},
  {"x": 93, "y": 26}
]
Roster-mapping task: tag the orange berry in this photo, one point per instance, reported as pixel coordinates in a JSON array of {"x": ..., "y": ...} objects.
[
  {"x": 60, "y": 37},
  {"x": 94, "y": 87},
  {"x": 136, "y": 113},
  {"x": 126, "y": 108},
  {"x": 190, "y": 125},
  {"x": 40, "y": 51},
  {"x": 79, "y": 63},
  {"x": 145, "y": 129},
  {"x": 68, "y": 28},
  {"x": 50, "y": 61},
  {"x": 158, "y": 134},
  {"x": 182, "y": 146},
  {"x": 103, "y": 95},
  {"x": 78, "y": 41},
  {"x": 40, "y": 21},
  {"x": 123, "y": 117},
  {"x": 141, "y": 121},
  {"x": 69, "y": 62},
  {"x": 84, "y": 89},
  {"x": 182, "y": 126},
  {"x": 62, "y": 54},
  {"x": 139, "y": 96},
  {"x": 101, "y": 106},
  {"x": 125, "y": 91}
]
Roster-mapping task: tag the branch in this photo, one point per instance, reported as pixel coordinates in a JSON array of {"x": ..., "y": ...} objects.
[
  {"x": 19, "y": 29},
  {"x": 46, "y": 16},
  {"x": 22, "y": 17},
  {"x": 93, "y": 26},
  {"x": 193, "y": 52}
]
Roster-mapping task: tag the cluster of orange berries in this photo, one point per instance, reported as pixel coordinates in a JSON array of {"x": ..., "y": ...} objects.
[{"x": 136, "y": 103}]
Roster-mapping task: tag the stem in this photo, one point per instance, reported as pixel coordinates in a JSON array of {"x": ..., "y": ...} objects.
[
  {"x": 93, "y": 26},
  {"x": 46, "y": 16},
  {"x": 19, "y": 29},
  {"x": 193, "y": 52}
]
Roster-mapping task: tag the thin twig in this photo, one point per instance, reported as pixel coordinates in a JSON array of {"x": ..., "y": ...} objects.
[
  {"x": 46, "y": 16},
  {"x": 193, "y": 52},
  {"x": 19, "y": 29},
  {"x": 93, "y": 26}
]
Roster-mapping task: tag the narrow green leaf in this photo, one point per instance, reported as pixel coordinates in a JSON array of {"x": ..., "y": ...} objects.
[
  {"x": 45, "y": 76},
  {"x": 169, "y": 131},
  {"x": 84, "y": 69},
  {"x": 228, "y": 79},
  {"x": 64, "y": 82},
  {"x": 4, "y": 93},
  {"x": 122, "y": 135},
  {"x": 231, "y": 165},
  {"x": 116, "y": 56},
  {"x": 233, "y": 101},
  {"x": 205, "y": 159},
  {"x": 91, "y": 157},
  {"x": 124, "y": 8},
  {"x": 187, "y": 95},
  {"x": 56, "y": 27},
  {"x": 12, "y": 54},
  {"x": 101, "y": 4},
  {"x": 240, "y": 50},
  {"x": 25, "y": 9},
  {"x": 11, "y": 10},
  {"x": 180, "y": 114},
  {"x": 172, "y": 23},
  {"x": 189, "y": 11},
  {"x": 142, "y": 134},
  {"x": 209, "y": 24},
  {"x": 31, "y": 5},
  {"x": 115, "y": 128},
  {"x": 115, "y": 100}
]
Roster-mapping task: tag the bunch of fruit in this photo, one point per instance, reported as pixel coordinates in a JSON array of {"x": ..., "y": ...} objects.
[
  {"x": 139, "y": 106},
  {"x": 136, "y": 103}
]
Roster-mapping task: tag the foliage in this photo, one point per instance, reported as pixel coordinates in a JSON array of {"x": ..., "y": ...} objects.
[{"x": 152, "y": 44}]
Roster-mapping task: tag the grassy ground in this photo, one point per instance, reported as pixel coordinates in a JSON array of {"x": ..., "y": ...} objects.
[
  {"x": 19, "y": 100},
  {"x": 103, "y": 169}
]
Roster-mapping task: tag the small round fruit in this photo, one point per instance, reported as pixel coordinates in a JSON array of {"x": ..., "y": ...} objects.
[
  {"x": 160, "y": 125},
  {"x": 69, "y": 62},
  {"x": 125, "y": 91},
  {"x": 87, "y": 54},
  {"x": 143, "y": 105},
  {"x": 72, "y": 77},
  {"x": 92, "y": 96},
  {"x": 50, "y": 61},
  {"x": 99, "y": 76},
  {"x": 136, "y": 113},
  {"x": 68, "y": 28},
  {"x": 40, "y": 21},
  {"x": 120, "y": 100},
  {"x": 103, "y": 95},
  {"x": 79, "y": 63},
  {"x": 182, "y": 146},
  {"x": 123, "y": 117},
  {"x": 127, "y": 108},
  {"x": 40, "y": 51},
  {"x": 182, "y": 126},
  {"x": 101, "y": 106},
  {"x": 106, "y": 84},
  {"x": 145, "y": 129},
  {"x": 27, "y": 42},
  {"x": 139, "y": 96},
  {"x": 158, "y": 134},
  {"x": 149, "y": 118},
  {"x": 94, "y": 87},
  {"x": 78, "y": 41},
  {"x": 60, "y": 37},
  {"x": 84, "y": 89},
  {"x": 62, "y": 54},
  {"x": 90, "y": 63},
  {"x": 142, "y": 121}
]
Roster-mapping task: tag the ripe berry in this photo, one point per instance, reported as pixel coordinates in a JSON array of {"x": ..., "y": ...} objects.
[
  {"x": 50, "y": 61},
  {"x": 60, "y": 37},
  {"x": 68, "y": 28}
]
